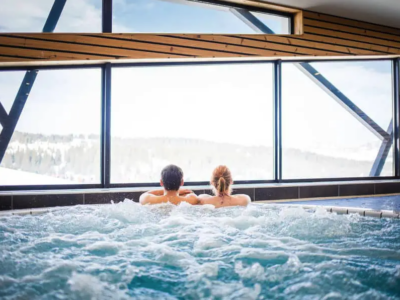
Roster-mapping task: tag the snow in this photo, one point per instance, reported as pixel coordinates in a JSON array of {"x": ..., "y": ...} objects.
[{"x": 17, "y": 177}]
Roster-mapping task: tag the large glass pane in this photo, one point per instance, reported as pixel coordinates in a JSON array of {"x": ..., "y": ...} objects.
[
  {"x": 57, "y": 138},
  {"x": 30, "y": 16},
  {"x": 160, "y": 16},
  {"x": 321, "y": 139},
  {"x": 197, "y": 117}
]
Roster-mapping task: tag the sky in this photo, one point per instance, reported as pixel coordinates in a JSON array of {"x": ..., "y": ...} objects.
[
  {"x": 158, "y": 16},
  {"x": 30, "y": 16},
  {"x": 144, "y": 16},
  {"x": 191, "y": 101}
]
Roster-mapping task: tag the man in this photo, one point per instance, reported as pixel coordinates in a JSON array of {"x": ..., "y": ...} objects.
[{"x": 171, "y": 180}]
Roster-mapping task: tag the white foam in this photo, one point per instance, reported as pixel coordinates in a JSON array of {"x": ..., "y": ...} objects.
[
  {"x": 261, "y": 254},
  {"x": 255, "y": 271},
  {"x": 207, "y": 242},
  {"x": 299, "y": 287},
  {"x": 169, "y": 256},
  {"x": 197, "y": 272},
  {"x": 87, "y": 286},
  {"x": 107, "y": 246},
  {"x": 234, "y": 253},
  {"x": 222, "y": 290}
]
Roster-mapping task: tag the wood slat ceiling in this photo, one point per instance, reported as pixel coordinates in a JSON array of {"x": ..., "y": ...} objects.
[{"x": 323, "y": 36}]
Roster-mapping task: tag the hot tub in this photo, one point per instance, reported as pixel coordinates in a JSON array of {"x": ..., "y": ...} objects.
[{"x": 129, "y": 251}]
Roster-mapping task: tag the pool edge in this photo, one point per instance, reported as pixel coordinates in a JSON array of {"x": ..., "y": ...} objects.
[{"x": 341, "y": 210}]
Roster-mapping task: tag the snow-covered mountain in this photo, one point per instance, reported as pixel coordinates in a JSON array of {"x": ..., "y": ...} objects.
[{"x": 58, "y": 159}]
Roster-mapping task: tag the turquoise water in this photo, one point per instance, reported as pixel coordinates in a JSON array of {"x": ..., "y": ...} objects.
[{"x": 128, "y": 251}]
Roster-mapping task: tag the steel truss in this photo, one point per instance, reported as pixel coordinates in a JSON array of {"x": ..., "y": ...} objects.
[
  {"x": 386, "y": 136},
  {"x": 9, "y": 121}
]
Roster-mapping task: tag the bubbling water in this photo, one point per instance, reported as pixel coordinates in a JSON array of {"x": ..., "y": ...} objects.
[{"x": 129, "y": 251}]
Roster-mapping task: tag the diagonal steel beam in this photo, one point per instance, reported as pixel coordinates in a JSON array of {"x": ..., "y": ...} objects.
[
  {"x": 383, "y": 153},
  {"x": 250, "y": 20},
  {"x": 341, "y": 98},
  {"x": 16, "y": 110},
  {"x": 385, "y": 136},
  {"x": 10, "y": 122},
  {"x": 3, "y": 115},
  {"x": 54, "y": 15}
]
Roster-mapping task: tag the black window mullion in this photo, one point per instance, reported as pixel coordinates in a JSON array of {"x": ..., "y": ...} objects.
[
  {"x": 396, "y": 117},
  {"x": 277, "y": 120},
  {"x": 105, "y": 125},
  {"x": 107, "y": 16}
]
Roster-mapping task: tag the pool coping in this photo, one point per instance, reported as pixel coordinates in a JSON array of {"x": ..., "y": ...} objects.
[
  {"x": 340, "y": 210},
  {"x": 201, "y": 187},
  {"x": 283, "y": 192},
  {"x": 276, "y": 192}
]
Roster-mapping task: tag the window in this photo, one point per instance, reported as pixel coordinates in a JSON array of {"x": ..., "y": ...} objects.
[
  {"x": 57, "y": 137},
  {"x": 198, "y": 116},
  {"x": 30, "y": 16},
  {"x": 195, "y": 116},
  {"x": 321, "y": 139},
  {"x": 185, "y": 16}
]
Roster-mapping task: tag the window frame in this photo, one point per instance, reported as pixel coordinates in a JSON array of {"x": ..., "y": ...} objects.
[
  {"x": 293, "y": 15},
  {"x": 108, "y": 13},
  {"x": 106, "y": 122},
  {"x": 59, "y": 186},
  {"x": 169, "y": 64},
  {"x": 395, "y": 74}
]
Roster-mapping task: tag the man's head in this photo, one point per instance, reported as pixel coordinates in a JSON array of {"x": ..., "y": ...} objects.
[{"x": 171, "y": 178}]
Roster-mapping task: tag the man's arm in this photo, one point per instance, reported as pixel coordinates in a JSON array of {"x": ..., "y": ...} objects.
[
  {"x": 151, "y": 197},
  {"x": 184, "y": 192},
  {"x": 189, "y": 196},
  {"x": 156, "y": 192},
  {"x": 192, "y": 199}
]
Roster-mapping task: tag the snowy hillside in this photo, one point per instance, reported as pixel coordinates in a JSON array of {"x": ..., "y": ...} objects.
[
  {"x": 59, "y": 159},
  {"x": 15, "y": 177}
]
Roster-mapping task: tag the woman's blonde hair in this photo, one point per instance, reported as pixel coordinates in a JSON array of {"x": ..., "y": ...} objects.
[{"x": 221, "y": 180}]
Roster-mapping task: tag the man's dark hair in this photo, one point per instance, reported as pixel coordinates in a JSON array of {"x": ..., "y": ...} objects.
[{"x": 172, "y": 176}]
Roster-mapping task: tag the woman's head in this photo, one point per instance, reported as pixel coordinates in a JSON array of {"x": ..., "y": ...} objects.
[{"x": 221, "y": 180}]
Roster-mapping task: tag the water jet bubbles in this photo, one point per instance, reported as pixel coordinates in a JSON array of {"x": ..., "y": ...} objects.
[
  {"x": 254, "y": 271},
  {"x": 86, "y": 286},
  {"x": 104, "y": 248},
  {"x": 126, "y": 250}
]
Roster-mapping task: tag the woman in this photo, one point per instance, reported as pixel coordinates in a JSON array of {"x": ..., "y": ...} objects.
[{"x": 221, "y": 182}]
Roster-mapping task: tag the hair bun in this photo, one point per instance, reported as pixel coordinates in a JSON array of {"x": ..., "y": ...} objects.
[
  {"x": 221, "y": 180},
  {"x": 221, "y": 185}
]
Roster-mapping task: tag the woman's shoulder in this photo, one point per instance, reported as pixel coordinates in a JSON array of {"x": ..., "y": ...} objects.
[
  {"x": 208, "y": 199},
  {"x": 242, "y": 199}
]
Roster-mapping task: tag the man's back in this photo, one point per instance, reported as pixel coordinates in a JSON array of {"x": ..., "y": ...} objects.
[
  {"x": 150, "y": 198},
  {"x": 172, "y": 181}
]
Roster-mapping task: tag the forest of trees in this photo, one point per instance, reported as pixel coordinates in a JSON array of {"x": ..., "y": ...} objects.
[{"x": 76, "y": 158}]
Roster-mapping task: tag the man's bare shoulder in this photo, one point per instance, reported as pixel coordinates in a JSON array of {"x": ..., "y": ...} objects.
[
  {"x": 191, "y": 199},
  {"x": 147, "y": 198}
]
